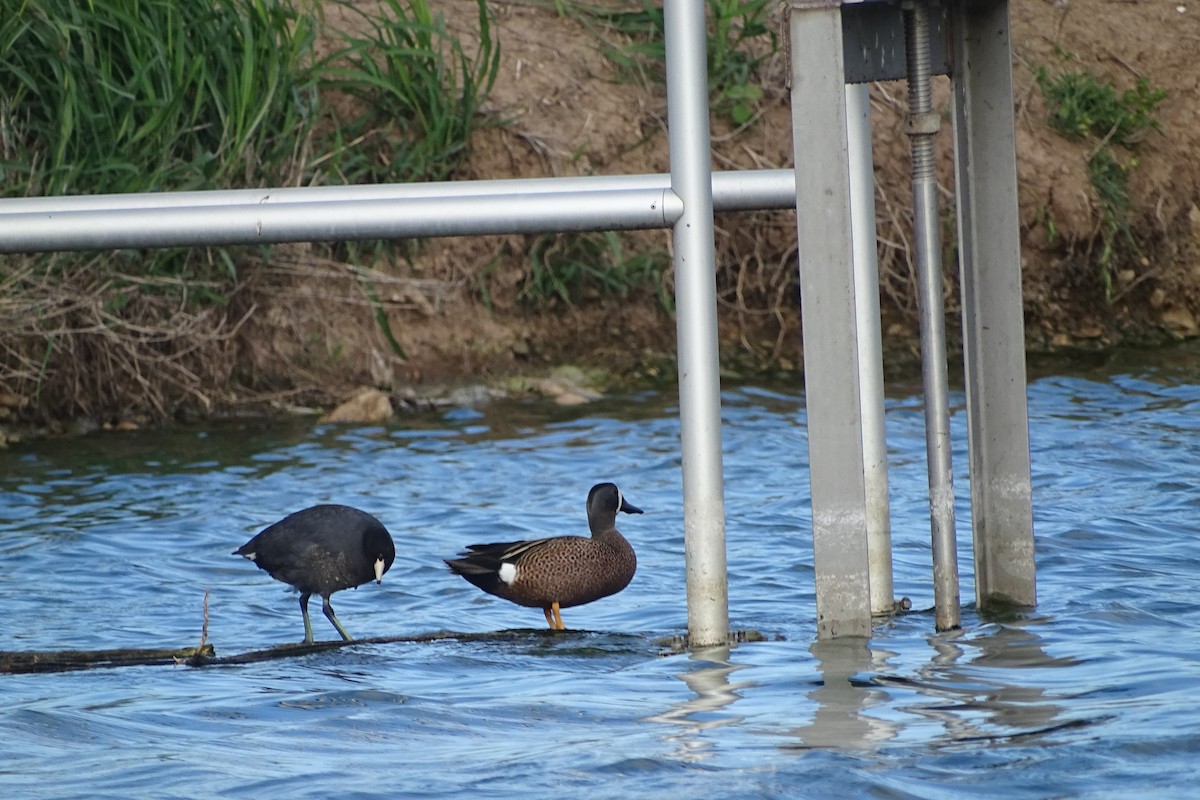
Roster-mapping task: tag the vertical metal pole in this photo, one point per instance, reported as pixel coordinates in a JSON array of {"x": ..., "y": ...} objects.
[
  {"x": 870, "y": 345},
  {"x": 993, "y": 327},
  {"x": 828, "y": 315},
  {"x": 923, "y": 124},
  {"x": 696, "y": 323}
]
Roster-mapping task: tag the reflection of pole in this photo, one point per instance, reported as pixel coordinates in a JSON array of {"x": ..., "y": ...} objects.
[
  {"x": 708, "y": 678},
  {"x": 870, "y": 345},
  {"x": 838, "y": 720},
  {"x": 923, "y": 125},
  {"x": 696, "y": 322}
]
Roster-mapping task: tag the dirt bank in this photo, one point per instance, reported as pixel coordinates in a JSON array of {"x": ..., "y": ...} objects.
[{"x": 455, "y": 306}]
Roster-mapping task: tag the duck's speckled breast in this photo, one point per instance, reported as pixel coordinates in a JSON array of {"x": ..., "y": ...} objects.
[{"x": 573, "y": 571}]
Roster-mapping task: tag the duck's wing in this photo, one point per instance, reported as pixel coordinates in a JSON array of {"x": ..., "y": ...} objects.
[{"x": 489, "y": 557}]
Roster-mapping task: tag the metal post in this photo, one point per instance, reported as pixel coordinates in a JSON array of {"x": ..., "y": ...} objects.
[
  {"x": 870, "y": 346},
  {"x": 827, "y": 308},
  {"x": 993, "y": 328},
  {"x": 696, "y": 322},
  {"x": 923, "y": 125}
]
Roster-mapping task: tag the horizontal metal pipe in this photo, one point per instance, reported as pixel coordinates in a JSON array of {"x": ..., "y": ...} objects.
[
  {"x": 732, "y": 191},
  {"x": 338, "y": 220}
]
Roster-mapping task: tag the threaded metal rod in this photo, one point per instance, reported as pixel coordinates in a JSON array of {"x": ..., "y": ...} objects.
[{"x": 922, "y": 126}]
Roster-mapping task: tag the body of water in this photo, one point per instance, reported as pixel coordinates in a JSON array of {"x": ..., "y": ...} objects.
[{"x": 112, "y": 540}]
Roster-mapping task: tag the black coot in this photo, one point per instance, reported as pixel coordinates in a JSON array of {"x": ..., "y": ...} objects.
[{"x": 321, "y": 550}]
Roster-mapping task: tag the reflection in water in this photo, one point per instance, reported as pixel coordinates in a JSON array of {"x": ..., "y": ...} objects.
[
  {"x": 838, "y": 720},
  {"x": 971, "y": 704},
  {"x": 707, "y": 676}
]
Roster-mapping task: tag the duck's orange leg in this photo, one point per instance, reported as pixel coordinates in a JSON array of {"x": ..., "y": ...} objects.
[
  {"x": 549, "y": 616},
  {"x": 558, "y": 626}
]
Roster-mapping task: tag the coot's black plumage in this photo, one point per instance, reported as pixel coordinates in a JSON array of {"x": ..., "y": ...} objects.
[{"x": 321, "y": 550}]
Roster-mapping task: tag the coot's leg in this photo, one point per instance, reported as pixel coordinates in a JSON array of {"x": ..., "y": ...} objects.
[
  {"x": 308, "y": 637},
  {"x": 328, "y": 609}
]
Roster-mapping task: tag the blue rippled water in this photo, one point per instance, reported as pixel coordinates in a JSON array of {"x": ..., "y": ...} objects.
[{"x": 112, "y": 541}]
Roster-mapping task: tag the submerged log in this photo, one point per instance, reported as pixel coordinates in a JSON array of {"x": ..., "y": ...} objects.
[
  {"x": 308, "y": 648},
  {"x": 203, "y": 654},
  {"x": 300, "y": 649},
  {"x": 66, "y": 660},
  {"x": 20, "y": 662}
]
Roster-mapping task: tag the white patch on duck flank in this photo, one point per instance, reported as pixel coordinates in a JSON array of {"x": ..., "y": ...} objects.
[{"x": 507, "y": 573}]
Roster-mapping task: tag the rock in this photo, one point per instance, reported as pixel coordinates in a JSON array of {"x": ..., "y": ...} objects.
[
  {"x": 569, "y": 398},
  {"x": 10, "y": 400},
  {"x": 473, "y": 396},
  {"x": 568, "y": 374},
  {"x": 82, "y": 426},
  {"x": 1181, "y": 322},
  {"x": 366, "y": 406},
  {"x": 564, "y": 392}
]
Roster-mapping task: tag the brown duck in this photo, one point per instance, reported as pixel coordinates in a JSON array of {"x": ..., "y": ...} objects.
[{"x": 561, "y": 571}]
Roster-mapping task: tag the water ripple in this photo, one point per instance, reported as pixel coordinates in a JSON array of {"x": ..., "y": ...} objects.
[{"x": 109, "y": 542}]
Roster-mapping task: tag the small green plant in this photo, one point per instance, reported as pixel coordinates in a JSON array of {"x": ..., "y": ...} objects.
[
  {"x": 739, "y": 40},
  {"x": 567, "y": 267},
  {"x": 1110, "y": 180},
  {"x": 1081, "y": 106},
  {"x": 732, "y": 60}
]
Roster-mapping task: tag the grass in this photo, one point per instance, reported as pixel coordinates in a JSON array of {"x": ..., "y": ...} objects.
[
  {"x": 739, "y": 40},
  {"x": 415, "y": 98},
  {"x": 568, "y": 268},
  {"x": 114, "y": 96},
  {"x": 1082, "y": 106},
  {"x": 128, "y": 97},
  {"x": 418, "y": 93},
  {"x": 118, "y": 97},
  {"x": 1110, "y": 180}
]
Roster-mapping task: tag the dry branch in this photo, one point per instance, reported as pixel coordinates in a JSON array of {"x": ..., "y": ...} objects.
[{"x": 83, "y": 338}]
